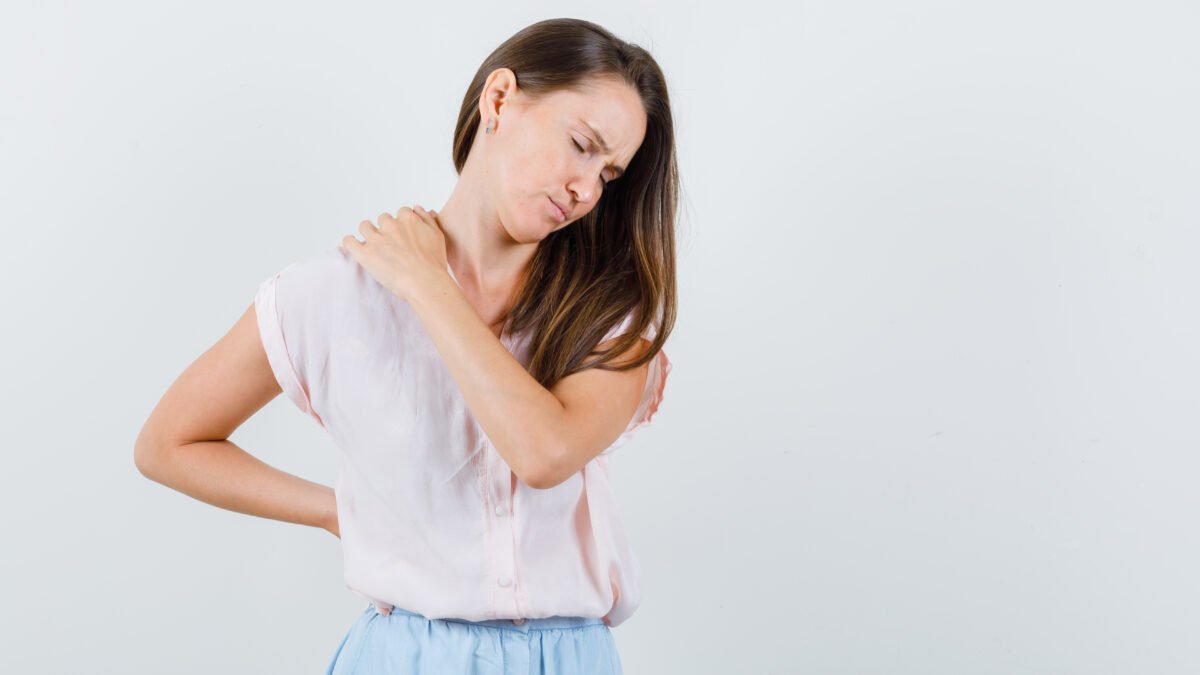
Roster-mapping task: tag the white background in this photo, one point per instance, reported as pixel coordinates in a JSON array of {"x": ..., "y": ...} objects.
[{"x": 933, "y": 406}]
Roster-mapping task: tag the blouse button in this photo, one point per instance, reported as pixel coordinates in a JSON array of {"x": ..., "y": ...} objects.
[
  {"x": 500, "y": 510},
  {"x": 504, "y": 581}
]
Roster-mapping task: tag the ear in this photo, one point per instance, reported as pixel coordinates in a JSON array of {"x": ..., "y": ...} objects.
[{"x": 501, "y": 84}]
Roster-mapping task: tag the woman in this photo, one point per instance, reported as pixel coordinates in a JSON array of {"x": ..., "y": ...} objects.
[{"x": 476, "y": 367}]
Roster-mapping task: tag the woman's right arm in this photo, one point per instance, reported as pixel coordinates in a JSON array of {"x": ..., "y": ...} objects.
[{"x": 184, "y": 444}]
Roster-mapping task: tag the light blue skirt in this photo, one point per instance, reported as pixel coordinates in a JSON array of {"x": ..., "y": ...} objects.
[{"x": 405, "y": 642}]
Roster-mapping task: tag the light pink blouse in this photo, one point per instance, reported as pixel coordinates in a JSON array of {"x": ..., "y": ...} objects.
[{"x": 431, "y": 517}]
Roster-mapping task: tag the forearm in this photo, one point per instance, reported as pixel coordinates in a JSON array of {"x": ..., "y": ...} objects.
[
  {"x": 518, "y": 414},
  {"x": 222, "y": 474}
]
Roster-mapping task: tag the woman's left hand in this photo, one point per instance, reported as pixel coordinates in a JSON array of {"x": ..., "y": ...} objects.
[{"x": 405, "y": 251}]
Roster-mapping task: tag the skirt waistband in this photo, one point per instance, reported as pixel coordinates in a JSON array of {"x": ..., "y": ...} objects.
[{"x": 521, "y": 625}]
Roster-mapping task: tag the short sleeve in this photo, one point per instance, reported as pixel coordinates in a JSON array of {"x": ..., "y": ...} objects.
[
  {"x": 652, "y": 394},
  {"x": 294, "y": 309},
  {"x": 623, "y": 327}
]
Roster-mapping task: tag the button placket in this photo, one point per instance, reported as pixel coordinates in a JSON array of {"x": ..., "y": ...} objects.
[{"x": 500, "y": 531}]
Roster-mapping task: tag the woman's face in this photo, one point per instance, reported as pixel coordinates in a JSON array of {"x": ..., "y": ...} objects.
[{"x": 559, "y": 149}]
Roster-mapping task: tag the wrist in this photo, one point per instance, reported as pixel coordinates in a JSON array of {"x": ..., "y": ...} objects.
[
  {"x": 329, "y": 514},
  {"x": 432, "y": 289}
]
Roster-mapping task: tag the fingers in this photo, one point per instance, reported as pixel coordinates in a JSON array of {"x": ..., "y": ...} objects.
[
  {"x": 428, "y": 215},
  {"x": 415, "y": 209},
  {"x": 367, "y": 229},
  {"x": 386, "y": 219}
]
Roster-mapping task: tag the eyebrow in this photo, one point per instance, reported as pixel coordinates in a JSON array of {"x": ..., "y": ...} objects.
[{"x": 603, "y": 146}]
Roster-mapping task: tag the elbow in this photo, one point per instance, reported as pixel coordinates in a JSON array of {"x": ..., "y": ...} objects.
[
  {"x": 542, "y": 460},
  {"x": 143, "y": 460},
  {"x": 538, "y": 476},
  {"x": 541, "y": 481},
  {"x": 548, "y": 468},
  {"x": 148, "y": 456}
]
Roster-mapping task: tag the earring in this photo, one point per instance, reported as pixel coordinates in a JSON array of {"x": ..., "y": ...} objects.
[{"x": 488, "y": 130}]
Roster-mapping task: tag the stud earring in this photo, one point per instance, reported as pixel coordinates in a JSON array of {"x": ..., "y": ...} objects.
[{"x": 488, "y": 130}]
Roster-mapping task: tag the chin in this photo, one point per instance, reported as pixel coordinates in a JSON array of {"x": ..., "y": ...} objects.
[
  {"x": 539, "y": 227},
  {"x": 529, "y": 233}
]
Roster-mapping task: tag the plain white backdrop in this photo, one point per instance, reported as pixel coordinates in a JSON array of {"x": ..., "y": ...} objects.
[{"x": 933, "y": 407}]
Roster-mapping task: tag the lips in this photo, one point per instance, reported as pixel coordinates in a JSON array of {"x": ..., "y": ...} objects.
[{"x": 560, "y": 212}]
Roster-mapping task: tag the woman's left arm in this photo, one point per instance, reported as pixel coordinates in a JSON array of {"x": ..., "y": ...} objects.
[{"x": 545, "y": 435}]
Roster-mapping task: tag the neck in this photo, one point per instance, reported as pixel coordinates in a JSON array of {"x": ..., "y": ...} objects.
[{"x": 484, "y": 257}]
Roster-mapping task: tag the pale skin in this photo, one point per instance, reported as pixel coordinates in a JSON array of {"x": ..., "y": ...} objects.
[{"x": 487, "y": 231}]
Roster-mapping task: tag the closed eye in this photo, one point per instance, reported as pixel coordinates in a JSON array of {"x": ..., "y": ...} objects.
[{"x": 580, "y": 148}]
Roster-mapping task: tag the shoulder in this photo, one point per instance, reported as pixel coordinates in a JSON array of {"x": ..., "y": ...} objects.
[
  {"x": 316, "y": 294},
  {"x": 328, "y": 273},
  {"x": 327, "y": 265}
]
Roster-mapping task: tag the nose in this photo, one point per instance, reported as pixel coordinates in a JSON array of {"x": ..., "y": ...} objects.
[
  {"x": 583, "y": 187},
  {"x": 582, "y": 195}
]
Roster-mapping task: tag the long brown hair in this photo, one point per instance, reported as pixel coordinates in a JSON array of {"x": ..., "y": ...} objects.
[{"x": 620, "y": 257}]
